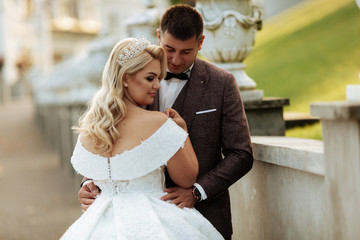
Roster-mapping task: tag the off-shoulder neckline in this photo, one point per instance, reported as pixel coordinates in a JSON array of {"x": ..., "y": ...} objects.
[{"x": 118, "y": 155}]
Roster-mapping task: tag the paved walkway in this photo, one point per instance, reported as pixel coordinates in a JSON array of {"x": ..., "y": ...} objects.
[{"x": 37, "y": 199}]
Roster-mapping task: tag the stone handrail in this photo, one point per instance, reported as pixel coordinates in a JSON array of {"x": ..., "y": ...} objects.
[{"x": 296, "y": 153}]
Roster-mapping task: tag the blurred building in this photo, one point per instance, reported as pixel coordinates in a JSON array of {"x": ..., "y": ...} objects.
[{"x": 37, "y": 34}]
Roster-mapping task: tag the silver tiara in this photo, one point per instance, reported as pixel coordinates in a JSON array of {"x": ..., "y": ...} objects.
[{"x": 139, "y": 44}]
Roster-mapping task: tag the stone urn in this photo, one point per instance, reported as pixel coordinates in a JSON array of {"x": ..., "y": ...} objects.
[{"x": 230, "y": 28}]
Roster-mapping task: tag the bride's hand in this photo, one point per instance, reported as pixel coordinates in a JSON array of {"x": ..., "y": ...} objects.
[{"x": 174, "y": 115}]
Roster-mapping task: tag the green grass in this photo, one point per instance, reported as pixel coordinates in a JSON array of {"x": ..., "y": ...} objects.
[
  {"x": 312, "y": 63},
  {"x": 310, "y": 131}
]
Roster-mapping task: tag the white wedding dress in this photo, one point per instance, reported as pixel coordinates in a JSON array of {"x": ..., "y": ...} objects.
[{"x": 132, "y": 183}]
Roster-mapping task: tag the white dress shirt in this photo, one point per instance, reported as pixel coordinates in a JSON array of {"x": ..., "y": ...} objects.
[{"x": 169, "y": 91}]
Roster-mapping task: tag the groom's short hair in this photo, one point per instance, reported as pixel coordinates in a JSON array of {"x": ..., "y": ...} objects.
[{"x": 182, "y": 22}]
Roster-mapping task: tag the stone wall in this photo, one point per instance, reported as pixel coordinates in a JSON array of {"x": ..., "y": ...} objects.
[
  {"x": 282, "y": 196},
  {"x": 301, "y": 188}
]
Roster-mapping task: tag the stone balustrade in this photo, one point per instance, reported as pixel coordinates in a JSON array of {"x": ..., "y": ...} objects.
[{"x": 297, "y": 189}]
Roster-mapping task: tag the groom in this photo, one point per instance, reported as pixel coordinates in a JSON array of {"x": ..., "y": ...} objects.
[{"x": 208, "y": 99}]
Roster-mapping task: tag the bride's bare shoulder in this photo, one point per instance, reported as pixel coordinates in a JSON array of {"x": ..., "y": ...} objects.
[
  {"x": 155, "y": 119},
  {"x": 142, "y": 121}
]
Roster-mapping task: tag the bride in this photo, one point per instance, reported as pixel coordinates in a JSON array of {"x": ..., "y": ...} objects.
[{"x": 125, "y": 149}]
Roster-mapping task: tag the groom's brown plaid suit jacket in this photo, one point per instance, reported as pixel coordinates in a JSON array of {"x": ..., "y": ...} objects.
[{"x": 211, "y": 105}]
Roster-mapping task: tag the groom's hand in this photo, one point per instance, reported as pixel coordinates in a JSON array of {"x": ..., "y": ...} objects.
[
  {"x": 182, "y": 197},
  {"x": 87, "y": 195}
]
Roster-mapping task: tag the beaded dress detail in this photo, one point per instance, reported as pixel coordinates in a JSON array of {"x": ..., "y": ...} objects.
[{"x": 132, "y": 183}]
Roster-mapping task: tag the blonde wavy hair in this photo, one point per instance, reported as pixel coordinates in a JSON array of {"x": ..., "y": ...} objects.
[{"x": 108, "y": 108}]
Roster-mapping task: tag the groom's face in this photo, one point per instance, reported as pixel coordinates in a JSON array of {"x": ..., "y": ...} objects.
[{"x": 180, "y": 54}]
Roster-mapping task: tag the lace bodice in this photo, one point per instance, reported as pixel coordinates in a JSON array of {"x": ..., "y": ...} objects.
[
  {"x": 151, "y": 183},
  {"x": 150, "y": 155}
]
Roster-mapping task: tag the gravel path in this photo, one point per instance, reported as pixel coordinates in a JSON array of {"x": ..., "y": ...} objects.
[{"x": 37, "y": 199}]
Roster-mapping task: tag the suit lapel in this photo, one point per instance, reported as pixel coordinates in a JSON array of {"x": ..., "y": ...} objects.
[{"x": 189, "y": 98}]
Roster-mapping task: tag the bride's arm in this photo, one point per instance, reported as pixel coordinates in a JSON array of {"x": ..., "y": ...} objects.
[{"x": 183, "y": 167}]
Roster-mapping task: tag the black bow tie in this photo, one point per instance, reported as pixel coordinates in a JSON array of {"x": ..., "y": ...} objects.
[{"x": 181, "y": 76}]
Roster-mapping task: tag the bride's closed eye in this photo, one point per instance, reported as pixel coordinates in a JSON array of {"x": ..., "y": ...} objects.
[{"x": 151, "y": 77}]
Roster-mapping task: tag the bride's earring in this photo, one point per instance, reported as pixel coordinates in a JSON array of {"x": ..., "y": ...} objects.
[{"x": 125, "y": 80}]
